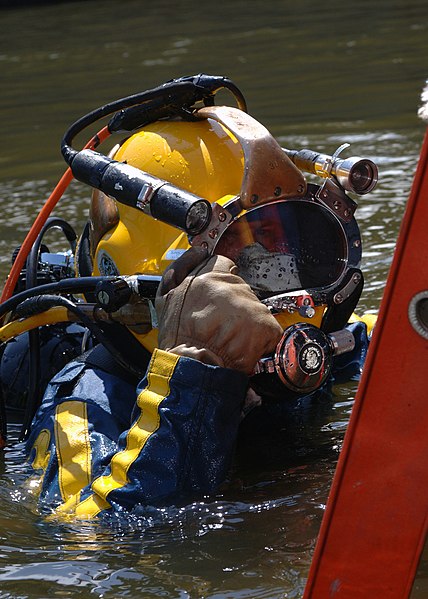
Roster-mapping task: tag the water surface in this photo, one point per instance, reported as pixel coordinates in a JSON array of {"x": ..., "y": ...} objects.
[{"x": 317, "y": 76}]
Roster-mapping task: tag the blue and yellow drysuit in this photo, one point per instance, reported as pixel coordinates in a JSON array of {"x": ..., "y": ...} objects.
[{"x": 100, "y": 444}]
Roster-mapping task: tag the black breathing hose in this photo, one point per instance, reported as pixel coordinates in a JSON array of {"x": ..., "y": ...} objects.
[
  {"x": 173, "y": 97},
  {"x": 131, "y": 186},
  {"x": 34, "y": 366},
  {"x": 76, "y": 285},
  {"x": 33, "y": 257}
]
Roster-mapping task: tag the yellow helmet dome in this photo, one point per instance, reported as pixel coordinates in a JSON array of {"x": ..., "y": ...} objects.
[{"x": 201, "y": 157}]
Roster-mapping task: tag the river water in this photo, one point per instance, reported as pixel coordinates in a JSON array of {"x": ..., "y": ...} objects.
[{"x": 317, "y": 76}]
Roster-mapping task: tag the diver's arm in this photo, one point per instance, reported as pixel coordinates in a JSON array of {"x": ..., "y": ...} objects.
[
  {"x": 180, "y": 444},
  {"x": 181, "y": 440},
  {"x": 75, "y": 431}
]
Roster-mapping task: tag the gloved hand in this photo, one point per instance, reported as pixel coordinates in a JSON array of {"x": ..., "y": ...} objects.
[{"x": 207, "y": 312}]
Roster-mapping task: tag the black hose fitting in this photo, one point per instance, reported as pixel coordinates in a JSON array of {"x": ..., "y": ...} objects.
[
  {"x": 36, "y": 305},
  {"x": 176, "y": 97}
]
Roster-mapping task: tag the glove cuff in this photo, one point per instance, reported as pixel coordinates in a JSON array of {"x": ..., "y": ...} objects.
[{"x": 200, "y": 354}]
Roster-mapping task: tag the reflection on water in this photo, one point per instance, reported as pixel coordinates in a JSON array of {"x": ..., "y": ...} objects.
[{"x": 317, "y": 78}]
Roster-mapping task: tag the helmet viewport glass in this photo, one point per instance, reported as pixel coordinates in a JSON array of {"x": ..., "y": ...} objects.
[{"x": 286, "y": 246}]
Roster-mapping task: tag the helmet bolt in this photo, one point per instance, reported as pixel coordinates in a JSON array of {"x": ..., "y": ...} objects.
[
  {"x": 356, "y": 278},
  {"x": 222, "y": 217},
  {"x": 337, "y": 205},
  {"x": 254, "y": 198},
  {"x": 277, "y": 191},
  {"x": 213, "y": 233},
  {"x": 338, "y": 298}
]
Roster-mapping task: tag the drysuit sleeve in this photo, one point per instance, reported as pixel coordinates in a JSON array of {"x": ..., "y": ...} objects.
[{"x": 183, "y": 430}]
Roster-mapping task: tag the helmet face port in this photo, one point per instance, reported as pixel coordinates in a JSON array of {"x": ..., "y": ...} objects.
[{"x": 286, "y": 246}]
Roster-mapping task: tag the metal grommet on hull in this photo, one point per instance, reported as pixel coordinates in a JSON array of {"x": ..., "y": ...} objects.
[{"x": 418, "y": 313}]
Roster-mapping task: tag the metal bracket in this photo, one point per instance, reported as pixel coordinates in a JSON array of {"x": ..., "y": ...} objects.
[
  {"x": 346, "y": 291},
  {"x": 332, "y": 196},
  {"x": 145, "y": 196},
  {"x": 265, "y": 366},
  {"x": 220, "y": 219},
  {"x": 291, "y": 302}
]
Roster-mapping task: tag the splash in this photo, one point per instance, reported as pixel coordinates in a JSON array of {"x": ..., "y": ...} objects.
[{"x": 423, "y": 110}]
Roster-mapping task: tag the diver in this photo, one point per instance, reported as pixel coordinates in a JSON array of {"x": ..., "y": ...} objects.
[
  {"x": 252, "y": 304},
  {"x": 103, "y": 446}
]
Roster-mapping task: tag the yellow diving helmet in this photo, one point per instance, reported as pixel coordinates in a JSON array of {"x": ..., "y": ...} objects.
[
  {"x": 200, "y": 157},
  {"x": 296, "y": 244},
  {"x": 190, "y": 172}
]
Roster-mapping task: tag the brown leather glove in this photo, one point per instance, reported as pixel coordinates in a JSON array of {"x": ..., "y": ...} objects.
[{"x": 207, "y": 312}]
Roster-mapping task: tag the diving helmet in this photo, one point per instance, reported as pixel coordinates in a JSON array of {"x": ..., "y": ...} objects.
[{"x": 296, "y": 244}]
